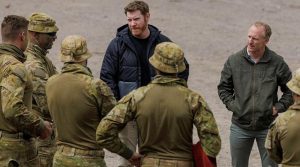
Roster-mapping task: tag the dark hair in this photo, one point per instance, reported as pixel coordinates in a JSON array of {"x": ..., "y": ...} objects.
[
  {"x": 268, "y": 31},
  {"x": 12, "y": 25},
  {"x": 137, "y": 5}
]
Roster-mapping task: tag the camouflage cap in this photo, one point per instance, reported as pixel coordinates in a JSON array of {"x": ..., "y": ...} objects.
[
  {"x": 74, "y": 49},
  {"x": 294, "y": 83},
  {"x": 168, "y": 57},
  {"x": 42, "y": 23}
]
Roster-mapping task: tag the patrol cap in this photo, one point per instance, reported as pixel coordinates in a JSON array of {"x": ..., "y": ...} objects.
[
  {"x": 168, "y": 57},
  {"x": 42, "y": 23},
  {"x": 294, "y": 83},
  {"x": 74, "y": 49}
]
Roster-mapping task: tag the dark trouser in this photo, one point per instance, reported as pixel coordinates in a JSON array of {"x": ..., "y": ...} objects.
[{"x": 241, "y": 142}]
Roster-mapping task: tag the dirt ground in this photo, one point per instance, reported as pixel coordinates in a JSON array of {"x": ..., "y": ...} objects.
[{"x": 208, "y": 31}]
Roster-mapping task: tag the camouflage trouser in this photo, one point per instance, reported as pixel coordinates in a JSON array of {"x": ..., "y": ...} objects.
[
  {"x": 15, "y": 151},
  {"x": 46, "y": 150},
  {"x": 155, "y": 162},
  {"x": 68, "y": 156}
]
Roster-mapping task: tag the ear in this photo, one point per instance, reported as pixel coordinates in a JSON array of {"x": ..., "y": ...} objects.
[
  {"x": 147, "y": 17},
  {"x": 22, "y": 36}
]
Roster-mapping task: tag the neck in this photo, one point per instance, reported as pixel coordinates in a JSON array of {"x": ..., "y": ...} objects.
[
  {"x": 257, "y": 54},
  {"x": 144, "y": 35}
]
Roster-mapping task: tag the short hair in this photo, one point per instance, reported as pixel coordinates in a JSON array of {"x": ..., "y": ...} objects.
[
  {"x": 268, "y": 31},
  {"x": 137, "y": 5},
  {"x": 12, "y": 25}
]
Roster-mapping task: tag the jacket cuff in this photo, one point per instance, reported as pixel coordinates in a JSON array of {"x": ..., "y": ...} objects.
[
  {"x": 279, "y": 107},
  {"x": 127, "y": 153}
]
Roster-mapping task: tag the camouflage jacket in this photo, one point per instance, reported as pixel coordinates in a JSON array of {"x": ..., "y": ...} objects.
[
  {"x": 16, "y": 92},
  {"x": 77, "y": 102},
  {"x": 165, "y": 112},
  {"x": 283, "y": 140},
  {"x": 41, "y": 68}
]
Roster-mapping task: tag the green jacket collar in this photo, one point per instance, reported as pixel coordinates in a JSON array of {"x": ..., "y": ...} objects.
[
  {"x": 266, "y": 57},
  {"x": 76, "y": 69},
  {"x": 160, "y": 79},
  {"x": 12, "y": 50},
  {"x": 36, "y": 50}
]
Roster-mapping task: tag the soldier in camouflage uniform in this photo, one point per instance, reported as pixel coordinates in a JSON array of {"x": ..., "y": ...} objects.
[
  {"x": 42, "y": 33},
  {"x": 77, "y": 102},
  {"x": 165, "y": 111},
  {"x": 283, "y": 139},
  {"x": 18, "y": 124}
]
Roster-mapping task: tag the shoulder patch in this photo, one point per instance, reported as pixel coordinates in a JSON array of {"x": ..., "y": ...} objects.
[
  {"x": 20, "y": 72},
  {"x": 39, "y": 73}
]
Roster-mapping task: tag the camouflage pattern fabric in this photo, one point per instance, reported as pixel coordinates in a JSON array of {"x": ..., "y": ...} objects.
[
  {"x": 78, "y": 158},
  {"x": 14, "y": 152},
  {"x": 15, "y": 110},
  {"x": 283, "y": 139},
  {"x": 41, "y": 68},
  {"x": 16, "y": 93},
  {"x": 92, "y": 100},
  {"x": 134, "y": 105},
  {"x": 155, "y": 162},
  {"x": 42, "y": 23}
]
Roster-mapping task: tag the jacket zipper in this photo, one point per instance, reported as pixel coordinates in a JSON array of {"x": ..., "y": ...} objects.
[{"x": 253, "y": 97}]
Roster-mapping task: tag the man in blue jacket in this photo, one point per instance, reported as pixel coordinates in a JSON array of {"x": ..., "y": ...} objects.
[
  {"x": 125, "y": 66},
  {"x": 248, "y": 87}
]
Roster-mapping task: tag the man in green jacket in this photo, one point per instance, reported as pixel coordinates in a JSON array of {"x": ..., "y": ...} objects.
[
  {"x": 283, "y": 140},
  {"x": 248, "y": 87},
  {"x": 77, "y": 102},
  {"x": 42, "y": 33},
  {"x": 165, "y": 111},
  {"x": 18, "y": 124}
]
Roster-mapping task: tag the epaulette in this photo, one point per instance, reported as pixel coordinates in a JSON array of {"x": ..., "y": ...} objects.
[
  {"x": 39, "y": 73},
  {"x": 20, "y": 72}
]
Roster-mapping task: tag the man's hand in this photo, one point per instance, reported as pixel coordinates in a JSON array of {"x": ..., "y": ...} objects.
[
  {"x": 275, "y": 111},
  {"x": 135, "y": 159},
  {"x": 47, "y": 131}
]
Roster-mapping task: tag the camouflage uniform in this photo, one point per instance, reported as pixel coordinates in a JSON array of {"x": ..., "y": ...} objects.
[
  {"x": 77, "y": 102},
  {"x": 283, "y": 139},
  {"x": 42, "y": 68},
  {"x": 17, "y": 123},
  {"x": 165, "y": 112}
]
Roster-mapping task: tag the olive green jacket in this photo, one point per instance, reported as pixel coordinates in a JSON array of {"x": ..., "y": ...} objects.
[
  {"x": 165, "y": 111},
  {"x": 77, "y": 102},
  {"x": 41, "y": 68},
  {"x": 250, "y": 89},
  {"x": 16, "y": 92},
  {"x": 283, "y": 140}
]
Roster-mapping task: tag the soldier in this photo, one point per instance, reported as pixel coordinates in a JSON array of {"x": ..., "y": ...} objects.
[
  {"x": 126, "y": 67},
  {"x": 42, "y": 33},
  {"x": 165, "y": 111},
  {"x": 18, "y": 124},
  {"x": 77, "y": 102},
  {"x": 283, "y": 139}
]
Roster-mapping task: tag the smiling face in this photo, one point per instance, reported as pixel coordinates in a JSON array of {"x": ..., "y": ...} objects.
[
  {"x": 257, "y": 40},
  {"x": 138, "y": 23}
]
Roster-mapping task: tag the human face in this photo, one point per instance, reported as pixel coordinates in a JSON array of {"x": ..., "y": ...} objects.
[
  {"x": 256, "y": 39},
  {"x": 138, "y": 24},
  {"x": 45, "y": 40}
]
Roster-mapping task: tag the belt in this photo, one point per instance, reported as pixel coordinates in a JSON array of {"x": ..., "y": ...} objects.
[
  {"x": 11, "y": 135},
  {"x": 71, "y": 151}
]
